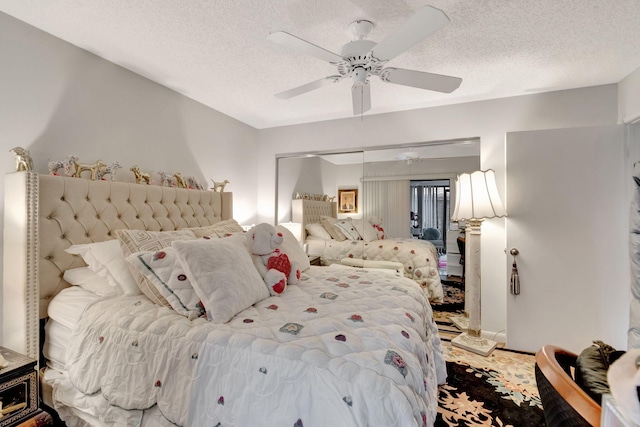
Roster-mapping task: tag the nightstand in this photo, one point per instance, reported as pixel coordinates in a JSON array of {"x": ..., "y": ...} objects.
[
  {"x": 315, "y": 260},
  {"x": 39, "y": 419},
  {"x": 19, "y": 401}
]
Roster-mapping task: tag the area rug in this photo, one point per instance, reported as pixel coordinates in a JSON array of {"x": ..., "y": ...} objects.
[
  {"x": 498, "y": 390},
  {"x": 453, "y": 303}
]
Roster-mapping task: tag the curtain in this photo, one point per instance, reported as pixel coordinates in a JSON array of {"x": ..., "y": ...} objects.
[{"x": 391, "y": 201}]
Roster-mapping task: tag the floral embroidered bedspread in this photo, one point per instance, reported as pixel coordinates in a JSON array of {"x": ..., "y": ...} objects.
[
  {"x": 419, "y": 258},
  {"x": 344, "y": 347}
]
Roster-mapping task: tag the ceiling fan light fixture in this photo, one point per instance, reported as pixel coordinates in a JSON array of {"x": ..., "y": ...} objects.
[
  {"x": 359, "y": 29},
  {"x": 359, "y": 76}
]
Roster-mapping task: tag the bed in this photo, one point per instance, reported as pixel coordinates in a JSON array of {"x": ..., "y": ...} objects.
[
  {"x": 343, "y": 347},
  {"x": 360, "y": 240}
]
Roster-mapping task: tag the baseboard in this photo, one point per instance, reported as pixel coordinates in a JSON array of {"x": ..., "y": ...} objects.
[{"x": 500, "y": 337}]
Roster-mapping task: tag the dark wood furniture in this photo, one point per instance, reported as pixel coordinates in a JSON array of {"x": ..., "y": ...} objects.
[
  {"x": 565, "y": 403},
  {"x": 19, "y": 398}
]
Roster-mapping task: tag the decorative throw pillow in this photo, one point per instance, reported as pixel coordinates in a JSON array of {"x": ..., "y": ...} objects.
[
  {"x": 133, "y": 241},
  {"x": 317, "y": 230},
  {"x": 163, "y": 269},
  {"x": 592, "y": 365},
  {"x": 88, "y": 279},
  {"x": 347, "y": 228},
  {"x": 222, "y": 274},
  {"x": 365, "y": 230},
  {"x": 106, "y": 259},
  {"x": 293, "y": 248},
  {"x": 220, "y": 229},
  {"x": 329, "y": 224}
]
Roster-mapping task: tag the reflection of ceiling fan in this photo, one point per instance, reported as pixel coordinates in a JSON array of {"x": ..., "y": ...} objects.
[
  {"x": 361, "y": 58},
  {"x": 407, "y": 157}
]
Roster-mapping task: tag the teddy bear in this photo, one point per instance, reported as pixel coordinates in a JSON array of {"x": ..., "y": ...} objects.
[
  {"x": 376, "y": 222},
  {"x": 273, "y": 265}
]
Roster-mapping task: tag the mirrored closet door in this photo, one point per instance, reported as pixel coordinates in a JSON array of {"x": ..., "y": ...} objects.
[{"x": 406, "y": 191}]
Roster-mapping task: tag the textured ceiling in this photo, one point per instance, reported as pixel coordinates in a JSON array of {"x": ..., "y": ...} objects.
[{"x": 217, "y": 52}]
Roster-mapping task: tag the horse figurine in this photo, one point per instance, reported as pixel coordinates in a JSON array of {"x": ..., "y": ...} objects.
[
  {"x": 55, "y": 165},
  {"x": 141, "y": 177},
  {"x": 181, "y": 183},
  {"x": 91, "y": 167},
  {"x": 192, "y": 182},
  {"x": 108, "y": 170},
  {"x": 70, "y": 164},
  {"x": 165, "y": 179},
  {"x": 23, "y": 159},
  {"x": 219, "y": 185}
]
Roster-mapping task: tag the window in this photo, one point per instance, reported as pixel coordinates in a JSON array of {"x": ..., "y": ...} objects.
[{"x": 430, "y": 211}]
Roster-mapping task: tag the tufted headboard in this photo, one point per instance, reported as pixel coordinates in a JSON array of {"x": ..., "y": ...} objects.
[
  {"x": 310, "y": 211},
  {"x": 45, "y": 214}
]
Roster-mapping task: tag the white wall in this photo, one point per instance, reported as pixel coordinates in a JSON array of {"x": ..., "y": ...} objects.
[
  {"x": 57, "y": 100},
  {"x": 488, "y": 120},
  {"x": 629, "y": 98}
]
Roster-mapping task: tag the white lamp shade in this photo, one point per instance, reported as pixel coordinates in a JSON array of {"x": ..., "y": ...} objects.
[
  {"x": 295, "y": 228},
  {"x": 477, "y": 197}
]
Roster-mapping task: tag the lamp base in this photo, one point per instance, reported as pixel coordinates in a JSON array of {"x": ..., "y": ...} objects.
[
  {"x": 478, "y": 345},
  {"x": 460, "y": 322}
]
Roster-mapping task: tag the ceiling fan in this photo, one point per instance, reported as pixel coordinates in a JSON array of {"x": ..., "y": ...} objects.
[{"x": 362, "y": 58}]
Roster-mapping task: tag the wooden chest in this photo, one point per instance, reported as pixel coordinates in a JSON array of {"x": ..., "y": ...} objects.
[{"x": 18, "y": 388}]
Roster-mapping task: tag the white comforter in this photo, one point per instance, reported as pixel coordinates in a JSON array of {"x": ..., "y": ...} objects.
[
  {"x": 345, "y": 347},
  {"x": 419, "y": 258}
]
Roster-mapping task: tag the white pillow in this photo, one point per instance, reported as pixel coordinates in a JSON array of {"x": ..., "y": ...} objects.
[
  {"x": 365, "y": 230},
  {"x": 222, "y": 274},
  {"x": 329, "y": 224},
  {"x": 347, "y": 228},
  {"x": 106, "y": 259},
  {"x": 317, "y": 230},
  {"x": 132, "y": 241},
  {"x": 163, "y": 269},
  {"x": 88, "y": 279},
  {"x": 293, "y": 248}
]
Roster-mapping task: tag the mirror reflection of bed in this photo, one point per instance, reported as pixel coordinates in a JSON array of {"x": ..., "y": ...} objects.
[{"x": 405, "y": 190}]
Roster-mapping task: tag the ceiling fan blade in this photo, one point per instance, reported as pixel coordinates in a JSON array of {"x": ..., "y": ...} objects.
[
  {"x": 420, "y": 79},
  {"x": 303, "y": 46},
  {"x": 426, "y": 21},
  {"x": 361, "y": 96},
  {"x": 307, "y": 87}
]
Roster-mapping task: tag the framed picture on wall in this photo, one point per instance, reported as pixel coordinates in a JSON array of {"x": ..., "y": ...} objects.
[{"x": 348, "y": 201}]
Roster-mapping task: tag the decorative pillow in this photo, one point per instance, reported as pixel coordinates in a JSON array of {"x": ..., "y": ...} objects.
[
  {"x": 347, "y": 228},
  {"x": 88, "y": 279},
  {"x": 106, "y": 259},
  {"x": 163, "y": 269},
  {"x": 317, "y": 230},
  {"x": 293, "y": 248},
  {"x": 329, "y": 224},
  {"x": 220, "y": 229},
  {"x": 365, "y": 230},
  {"x": 133, "y": 241},
  {"x": 591, "y": 369},
  {"x": 222, "y": 274}
]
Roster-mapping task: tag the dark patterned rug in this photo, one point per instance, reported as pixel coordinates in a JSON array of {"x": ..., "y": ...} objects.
[
  {"x": 498, "y": 390},
  {"x": 453, "y": 301}
]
